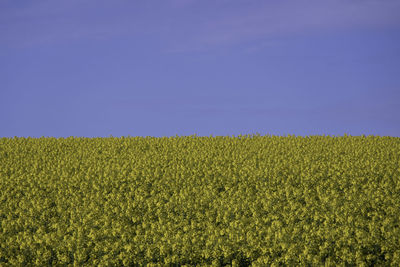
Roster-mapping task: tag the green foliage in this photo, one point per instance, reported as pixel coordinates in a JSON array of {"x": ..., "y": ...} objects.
[{"x": 198, "y": 201}]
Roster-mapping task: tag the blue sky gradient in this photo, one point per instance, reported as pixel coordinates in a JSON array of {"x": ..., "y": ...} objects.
[{"x": 181, "y": 67}]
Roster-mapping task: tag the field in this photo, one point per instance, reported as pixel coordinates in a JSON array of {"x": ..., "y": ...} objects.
[{"x": 200, "y": 201}]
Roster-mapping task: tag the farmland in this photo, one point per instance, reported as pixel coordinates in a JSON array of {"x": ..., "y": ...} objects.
[{"x": 200, "y": 201}]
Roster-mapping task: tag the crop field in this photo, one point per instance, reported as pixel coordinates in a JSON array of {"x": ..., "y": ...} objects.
[{"x": 200, "y": 201}]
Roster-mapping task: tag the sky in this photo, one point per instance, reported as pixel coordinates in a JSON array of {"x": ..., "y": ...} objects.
[{"x": 96, "y": 68}]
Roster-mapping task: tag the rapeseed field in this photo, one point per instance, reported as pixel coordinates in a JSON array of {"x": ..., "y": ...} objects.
[{"x": 200, "y": 201}]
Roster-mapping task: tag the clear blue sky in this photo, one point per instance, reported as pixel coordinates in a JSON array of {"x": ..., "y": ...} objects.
[{"x": 95, "y": 68}]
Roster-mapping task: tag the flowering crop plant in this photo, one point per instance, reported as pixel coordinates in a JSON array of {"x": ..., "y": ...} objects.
[{"x": 200, "y": 201}]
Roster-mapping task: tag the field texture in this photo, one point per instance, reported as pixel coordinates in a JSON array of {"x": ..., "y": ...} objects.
[{"x": 200, "y": 201}]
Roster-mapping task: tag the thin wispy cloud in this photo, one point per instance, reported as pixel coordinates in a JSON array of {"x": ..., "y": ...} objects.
[
  {"x": 50, "y": 22},
  {"x": 207, "y": 24},
  {"x": 286, "y": 18},
  {"x": 182, "y": 3}
]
